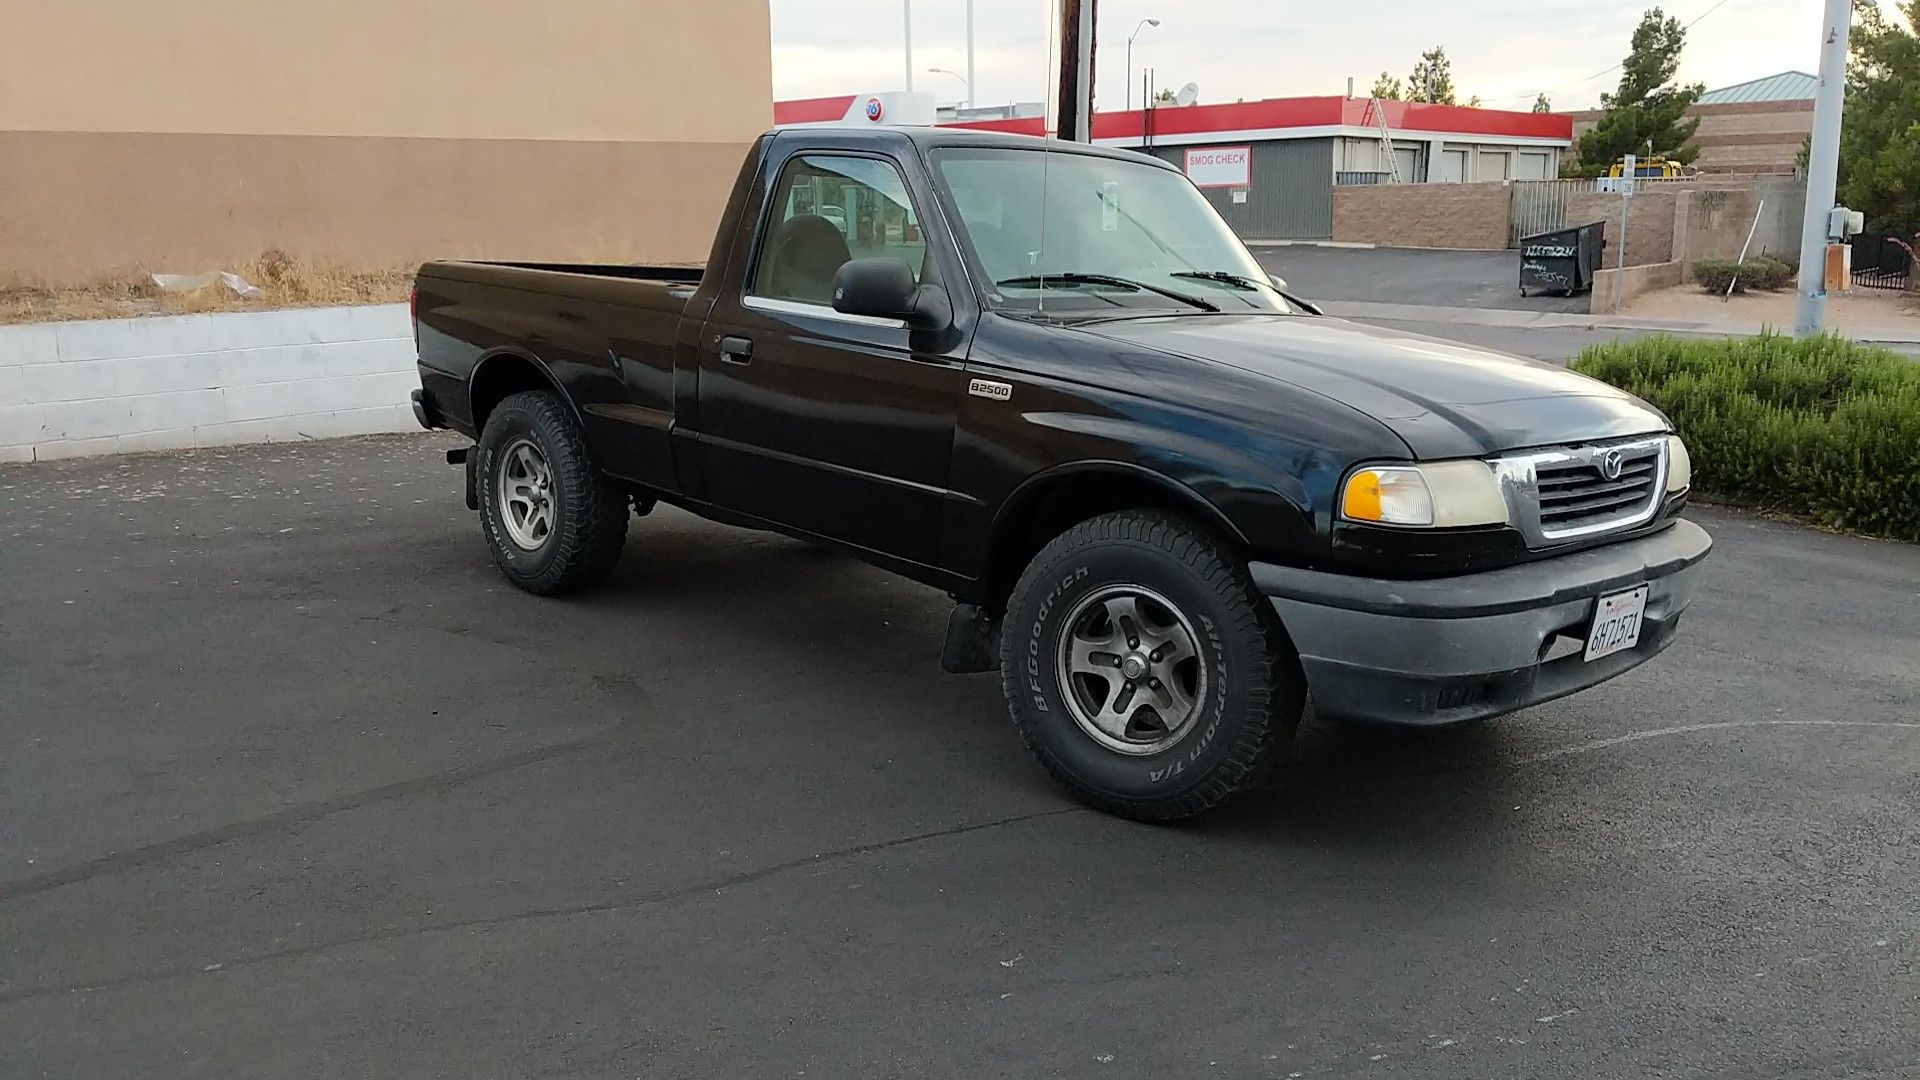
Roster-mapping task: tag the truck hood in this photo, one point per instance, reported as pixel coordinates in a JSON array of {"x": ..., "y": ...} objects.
[{"x": 1442, "y": 398}]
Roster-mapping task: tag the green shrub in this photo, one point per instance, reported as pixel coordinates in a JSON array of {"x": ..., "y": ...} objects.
[
  {"x": 1822, "y": 428},
  {"x": 1771, "y": 271},
  {"x": 1713, "y": 275},
  {"x": 1762, "y": 271}
]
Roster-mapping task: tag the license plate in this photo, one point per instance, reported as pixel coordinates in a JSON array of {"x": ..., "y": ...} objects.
[{"x": 1616, "y": 622}]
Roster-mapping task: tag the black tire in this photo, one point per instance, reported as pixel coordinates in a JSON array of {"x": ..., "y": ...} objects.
[
  {"x": 1247, "y": 709},
  {"x": 586, "y": 512}
]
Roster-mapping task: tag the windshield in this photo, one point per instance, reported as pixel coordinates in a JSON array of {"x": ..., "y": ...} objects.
[{"x": 1118, "y": 235}]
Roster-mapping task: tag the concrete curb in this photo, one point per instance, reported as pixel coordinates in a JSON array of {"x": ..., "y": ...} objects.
[
  {"x": 1554, "y": 320},
  {"x": 1350, "y": 244}
]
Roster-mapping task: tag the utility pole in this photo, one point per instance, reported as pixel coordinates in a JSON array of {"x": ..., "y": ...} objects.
[
  {"x": 1074, "y": 120},
  {"x": 1823, "y": 168},
  {"x": 906, "y": 27}
]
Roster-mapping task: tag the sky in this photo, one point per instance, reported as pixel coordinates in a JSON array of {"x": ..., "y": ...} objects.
[{"x": 1505, "y": 51}]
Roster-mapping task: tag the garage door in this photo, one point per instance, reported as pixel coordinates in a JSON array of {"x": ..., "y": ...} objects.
[{"x": 1532, "y": 166}]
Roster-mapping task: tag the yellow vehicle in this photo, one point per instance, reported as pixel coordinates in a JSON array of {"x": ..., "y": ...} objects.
[{"x": 1654, "y": 168}]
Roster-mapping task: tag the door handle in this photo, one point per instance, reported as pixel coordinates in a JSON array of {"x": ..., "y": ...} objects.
[{"x": 736, "y": 350}]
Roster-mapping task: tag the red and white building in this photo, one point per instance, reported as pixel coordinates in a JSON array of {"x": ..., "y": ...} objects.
[{"x": 1270, "y": 166}]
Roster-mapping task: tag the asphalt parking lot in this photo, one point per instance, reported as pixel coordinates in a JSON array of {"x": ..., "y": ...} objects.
[
  {"x": 296, "y": 785},
  {"x": 1453, "y": 279}
]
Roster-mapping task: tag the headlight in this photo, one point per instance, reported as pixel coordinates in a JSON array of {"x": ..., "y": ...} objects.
[
  {"x": 1442, "y": 494},
  {"x": 1679, "y": 465}
]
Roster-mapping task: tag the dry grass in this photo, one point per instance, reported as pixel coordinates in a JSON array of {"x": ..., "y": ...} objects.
[{"x": 284, "y": 281}]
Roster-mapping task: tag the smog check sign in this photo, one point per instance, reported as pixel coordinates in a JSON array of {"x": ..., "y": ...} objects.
[{"x": 1220, "y": 166}]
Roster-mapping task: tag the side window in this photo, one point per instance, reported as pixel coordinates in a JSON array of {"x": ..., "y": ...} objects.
[{"x": 828, "y": 209}]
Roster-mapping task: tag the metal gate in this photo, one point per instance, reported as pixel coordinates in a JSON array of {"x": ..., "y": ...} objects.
[
  {"x": 1881, "y": 261},
  {"x": 1541, "y": 206}
]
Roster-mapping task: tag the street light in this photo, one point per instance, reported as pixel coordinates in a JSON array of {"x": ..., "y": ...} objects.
[
  {"x": 957, "y": 75},
  {"x": 1144, "y": 23}
]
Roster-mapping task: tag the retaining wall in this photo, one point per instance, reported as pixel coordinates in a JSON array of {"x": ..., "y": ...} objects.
[
  {"x": 119, "y": 385},
  {"x": 1613, "y": 288}
]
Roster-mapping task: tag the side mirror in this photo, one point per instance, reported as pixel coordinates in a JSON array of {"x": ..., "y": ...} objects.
[
  {"x": 883, "y": 288},
  {"x": 1277, "y": 281}
]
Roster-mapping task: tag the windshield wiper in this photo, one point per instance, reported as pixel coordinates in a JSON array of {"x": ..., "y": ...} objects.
[
  {"x": 1075, "y": 278},
  {"x": 1224, "y": 277}
]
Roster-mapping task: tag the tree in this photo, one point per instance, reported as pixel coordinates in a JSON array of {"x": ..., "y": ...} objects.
[
  {"x": 1473, "y": 102},
  {"x": 1541, "y": 104},
  {"x": 1432, "y": 78},
  {"x": 1649, "y": 107},
  {"x": 1165, "y": 97},
  {"x": 1386, "y": 88},
  {"x": 1880, "y": 130}
]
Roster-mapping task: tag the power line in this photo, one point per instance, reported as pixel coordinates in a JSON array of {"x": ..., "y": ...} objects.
[{"x": 1718, "y": 4}]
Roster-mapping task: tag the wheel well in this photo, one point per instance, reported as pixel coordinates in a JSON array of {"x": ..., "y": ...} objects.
[
  {"x": 1044, "y": 510},
  {"x": 500, "y": 376}
]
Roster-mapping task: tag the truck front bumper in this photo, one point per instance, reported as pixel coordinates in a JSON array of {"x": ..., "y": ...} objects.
[{"x": 1448, "y": 650}]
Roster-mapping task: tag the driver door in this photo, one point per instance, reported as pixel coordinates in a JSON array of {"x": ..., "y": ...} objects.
[{"x": 839, "y": 426}]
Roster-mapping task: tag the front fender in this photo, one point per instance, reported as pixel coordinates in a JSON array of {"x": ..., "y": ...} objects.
[{"x": 1036, "y": 487}]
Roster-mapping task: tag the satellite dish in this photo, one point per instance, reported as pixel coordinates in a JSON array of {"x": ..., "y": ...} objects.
[{"x": 1188, "y": 94}]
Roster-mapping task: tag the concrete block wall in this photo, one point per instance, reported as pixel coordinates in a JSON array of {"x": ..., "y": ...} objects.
[
  {"x": 1718, "y": 221},
  {"x": 1471, "y": 216},
  {"x": 1650, "y": 220},
  {"x": 120, "y": 385}
]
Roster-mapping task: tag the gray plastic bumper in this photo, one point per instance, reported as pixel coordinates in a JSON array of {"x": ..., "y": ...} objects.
[
  {"x": 1446, "y": 650},
  {"x": 424, "y": 412}
]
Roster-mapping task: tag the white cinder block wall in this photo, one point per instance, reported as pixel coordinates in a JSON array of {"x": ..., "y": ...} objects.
[{"x": 118, "y": 385}]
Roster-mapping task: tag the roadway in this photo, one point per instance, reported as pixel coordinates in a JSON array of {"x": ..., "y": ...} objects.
[{"x": 296, "y": 785}]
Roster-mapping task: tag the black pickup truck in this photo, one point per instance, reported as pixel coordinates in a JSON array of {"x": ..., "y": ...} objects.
[{"x": 1170, "y": 500}]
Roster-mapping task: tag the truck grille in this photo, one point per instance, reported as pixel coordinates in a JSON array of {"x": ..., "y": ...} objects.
[
  {"x": 1584, "y": 490},
  {"x": 1576, "y": 494}
]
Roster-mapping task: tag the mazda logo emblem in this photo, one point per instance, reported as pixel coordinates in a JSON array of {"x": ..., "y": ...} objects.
[{"x": 1610, "y": 464}]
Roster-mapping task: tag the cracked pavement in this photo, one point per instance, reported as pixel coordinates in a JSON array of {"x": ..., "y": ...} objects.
[{"x": 296, "y": 785}]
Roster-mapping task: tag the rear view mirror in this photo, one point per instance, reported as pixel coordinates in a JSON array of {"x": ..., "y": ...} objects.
[
  {"x": 883, "y": 288},
  {"x": 1277, "y": 282}
]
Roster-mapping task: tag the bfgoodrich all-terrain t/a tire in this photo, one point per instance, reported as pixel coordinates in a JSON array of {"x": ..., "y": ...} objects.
[
  {"x": 1143, "y": 669},
  {"x": 553, "y": 522}
]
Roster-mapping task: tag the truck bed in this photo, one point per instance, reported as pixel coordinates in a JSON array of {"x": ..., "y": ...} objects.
[{"x": 603, "y": 335}]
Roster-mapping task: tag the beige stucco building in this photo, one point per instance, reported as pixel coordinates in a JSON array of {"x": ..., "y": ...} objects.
[
  {"x": 195, "y": 134},
  {"x": 1754, "y": 127}
]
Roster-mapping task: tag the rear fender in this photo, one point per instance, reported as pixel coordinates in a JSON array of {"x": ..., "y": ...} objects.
[{"x": 493, "y": 368}]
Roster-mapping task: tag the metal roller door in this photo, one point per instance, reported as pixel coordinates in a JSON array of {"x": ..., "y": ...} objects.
[{"x": 1292, "y": 193}]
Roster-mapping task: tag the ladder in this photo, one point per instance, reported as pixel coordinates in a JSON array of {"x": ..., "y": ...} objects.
[{"x": 1379, "y": 113}]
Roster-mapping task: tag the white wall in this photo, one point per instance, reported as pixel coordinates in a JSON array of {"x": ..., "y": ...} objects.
[{"x": 119, "y": 385}]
